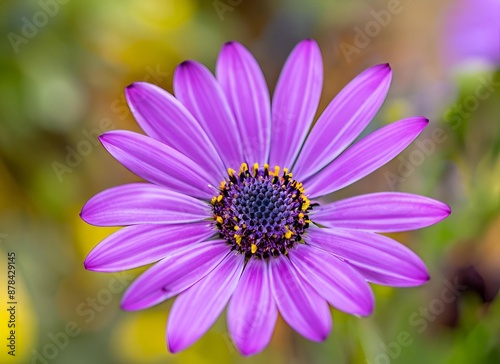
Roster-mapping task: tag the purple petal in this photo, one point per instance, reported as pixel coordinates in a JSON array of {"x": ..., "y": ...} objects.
[
  {"x": 164, "y": 118},
  {"x": 334, "y": 280},
  {"x": 202, "y": 95},
  {"x": 245, "y": 87},
  {"x": 252, "y": 313},
  {"x": 378, "y": 258},
  {"x": 295, "y": 102},
  {"x": 343, "y": 120},
  {"x": 142, "y": 203},
  {"x": 365, "y": 156},
  {"x": 382, "y": 212},
  {"x": 174, "y": 274},
  {"x": 139, "y": 245},
  {"x": 196, "y": 309},
  {"x": 159, "y": 163},
  {"x": 299, "y": 304}
]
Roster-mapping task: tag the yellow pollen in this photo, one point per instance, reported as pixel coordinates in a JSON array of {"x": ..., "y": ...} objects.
[
  {"x": 301, "y": 215},
  {"x": 237, "y": 238},
  {"x": 219, "y": 198},
  {"x": 285, "y": 170},
  {"x": 230, "y": 171},
  {"x": 222, "y": 185},
  {"x": 243, "y": 168},
  {"x": 219, "y": 219},
  {"x": 276, "y": 170},
  {"x": 288, "y": 234},
  {"x": 255, "y": 168},
  {"x": 213, "y": 200},
  {"x": 236, "y": 227},
  {"x": 253, "y": 248}
]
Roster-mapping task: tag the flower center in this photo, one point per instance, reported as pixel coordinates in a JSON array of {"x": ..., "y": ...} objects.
[{"x": 261, "y": 213}]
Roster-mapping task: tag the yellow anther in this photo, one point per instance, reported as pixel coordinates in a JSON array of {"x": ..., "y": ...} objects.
[
  {"x": 301, "y": 215},
  {"x": 219, "y": 219},
  {"x": 288, "y": 234},
  {"x": 276, "y": 170},
  {"x": 243, "y": 167},
  {"x": 230, "y": 171},
  {"x": 266, "y": 167},
  {"x": 219, "y": 198},
  {"x": 237, "y": 238},
  {"x": 213, "y": 200},
  {"x": 285, "y": 170},
  {"x": 222, "y": 185},
  {"x": 255, "y": 168},
  {"x": 236, "y": 227},
  {"x": 253, "y": 248}
]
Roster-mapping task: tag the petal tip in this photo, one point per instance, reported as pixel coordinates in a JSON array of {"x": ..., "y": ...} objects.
[
  {"x": 174, "y": 346},
  {"x": 186, "y": 63},
  {"x": 230, "y": 43}
]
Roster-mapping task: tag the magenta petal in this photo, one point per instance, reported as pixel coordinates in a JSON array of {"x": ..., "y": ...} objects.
[
  {"x": 343, "y": 120},
  {"x": 245, "y": 87},
  {"x": 382, "y": 212},
  {"x": 295, "y": 102},
  {"x": 174, "y": 274},
  {"x": 299, "y": 304},
  {"x": 202, "y": 95},
  {"x": 142, "y": 203},
  {"x": 159, "y": 163},
  {"x": 196, "y": 309},
  {"x": 139, "y": 245},
  {"x": 365, "y": 156},
  {"x": 164, "y": 118},
  {"x": 378, "y": 258},
  {"x": 252, "y": 313},
  {"x": 333, "y": 279}
]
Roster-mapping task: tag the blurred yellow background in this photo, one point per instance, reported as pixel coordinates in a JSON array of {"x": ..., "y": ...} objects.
[{"x": 63, "y": 67}]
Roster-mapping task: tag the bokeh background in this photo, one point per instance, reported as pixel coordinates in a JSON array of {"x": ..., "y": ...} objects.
[{"x": 63, "y": 67}]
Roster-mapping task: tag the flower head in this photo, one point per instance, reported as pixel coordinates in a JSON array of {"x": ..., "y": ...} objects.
[{"x": 230, "y": 212}]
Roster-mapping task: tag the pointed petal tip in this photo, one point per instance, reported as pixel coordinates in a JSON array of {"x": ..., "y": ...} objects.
[
  {"x": 230, "y": 43},
  {"x": 171, "y": 348},
  {"x": 87, "y": 264},
  {"x": 309, "y": 41},
  {"x": 186, "y": 63}
]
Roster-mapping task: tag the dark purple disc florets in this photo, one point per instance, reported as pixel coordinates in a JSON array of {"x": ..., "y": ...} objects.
[{"x": 261, "y": 213}]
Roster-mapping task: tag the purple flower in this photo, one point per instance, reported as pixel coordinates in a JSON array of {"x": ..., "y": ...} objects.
[{"x": 231, "y": 214}]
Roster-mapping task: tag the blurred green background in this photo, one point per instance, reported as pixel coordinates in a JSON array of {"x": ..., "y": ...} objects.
[{"x": 63, "y": 67}]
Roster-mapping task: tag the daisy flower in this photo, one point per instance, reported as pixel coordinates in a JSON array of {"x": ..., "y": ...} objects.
[{"x": 230, "y": 212}]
